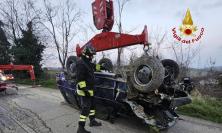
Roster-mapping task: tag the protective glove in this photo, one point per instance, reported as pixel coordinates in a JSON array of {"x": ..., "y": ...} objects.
[
  {"x": 103, "y": 67},
  {"x": 87, "y": 93},
  {"x": 98, "y": 67}
]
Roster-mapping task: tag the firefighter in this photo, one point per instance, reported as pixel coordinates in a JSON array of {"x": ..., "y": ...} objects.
[{"x": 85, "y": 87}]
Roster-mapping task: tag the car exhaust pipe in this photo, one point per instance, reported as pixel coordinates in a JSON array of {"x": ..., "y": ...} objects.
[{"x": 176, "y": 102}]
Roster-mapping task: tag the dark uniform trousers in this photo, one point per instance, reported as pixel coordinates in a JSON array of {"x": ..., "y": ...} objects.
[{"x": 88, "y": 109}]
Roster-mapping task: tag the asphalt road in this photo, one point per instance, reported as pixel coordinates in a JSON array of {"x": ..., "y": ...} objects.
[{"x": 42, "y": 110}]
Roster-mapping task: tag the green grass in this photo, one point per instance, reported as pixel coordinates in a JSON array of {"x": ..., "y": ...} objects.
[
  {"x": 205, "y": 108},
  {"x": 47, "y": 79},
  {"x": 49, "y": 83},
  {"x": 24, "y": 81},
  {"x": 52, "y": 71}
]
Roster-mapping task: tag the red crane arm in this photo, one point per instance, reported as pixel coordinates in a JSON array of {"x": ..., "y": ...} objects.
[
  {"x": 19, "y": 68},
  {"x": 103, "y": 17},
  {"x": 111, "y": 40}
]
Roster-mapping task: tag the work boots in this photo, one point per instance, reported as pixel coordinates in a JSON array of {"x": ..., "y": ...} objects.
[
  {"x": 82, "y": 130},
  {"x": 94, "y": 123}
]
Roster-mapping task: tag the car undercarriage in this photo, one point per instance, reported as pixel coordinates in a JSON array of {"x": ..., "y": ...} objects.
[{"x": 154, "y": 106}]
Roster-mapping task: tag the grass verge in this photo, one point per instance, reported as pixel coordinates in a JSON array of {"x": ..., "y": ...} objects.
[
  {"x": 207, "y": 108},
  {"x": 50, "y": 83}
]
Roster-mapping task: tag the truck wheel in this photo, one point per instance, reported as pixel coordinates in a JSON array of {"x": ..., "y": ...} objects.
[
  {"x": 147, "y": 74},
  {"x": 107, "y": 63},
  {"x": 171, "y": 68},
  {"x": 71, "y": 67}
]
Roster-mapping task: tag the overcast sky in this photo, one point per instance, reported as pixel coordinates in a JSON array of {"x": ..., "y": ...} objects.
[{"x": 161, "y": 16}]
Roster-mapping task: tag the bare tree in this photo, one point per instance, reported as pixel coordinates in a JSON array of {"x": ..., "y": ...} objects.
[
  {"x": 133, "y": 57},
  {"x": 211, "y": 64},
  {"x": 61, "y": 20},
  {"x": 121, "y": 5},
  {"x": 16, "y": 14},
  {"x": 184, "y": 55},
  {"x": 158, "y": 39}
]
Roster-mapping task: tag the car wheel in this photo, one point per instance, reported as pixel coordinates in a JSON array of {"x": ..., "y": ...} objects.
[
  {"x": 171, "y": 68},
  {"x": 107, "y": 63},
  {"x": 146, "y": 74},
  {"x": 71, "y": 67}
]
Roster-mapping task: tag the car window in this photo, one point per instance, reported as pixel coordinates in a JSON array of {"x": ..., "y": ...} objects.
[{"x": 106, "y": 83}]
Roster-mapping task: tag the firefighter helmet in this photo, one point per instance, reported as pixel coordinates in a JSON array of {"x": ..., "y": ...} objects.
[{"x": 88, "y": 51}]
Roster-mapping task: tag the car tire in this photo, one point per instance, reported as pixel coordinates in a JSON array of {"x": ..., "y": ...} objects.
[
  {"x": 154, "y": 74},
  {"x": 171, "y": 67},
  {"x": 107, "y": 63},
  {"x": 71, "y": 67}
]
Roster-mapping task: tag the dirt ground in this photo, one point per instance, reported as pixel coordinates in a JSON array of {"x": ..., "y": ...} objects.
[{"x": 42, "y": 110}]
